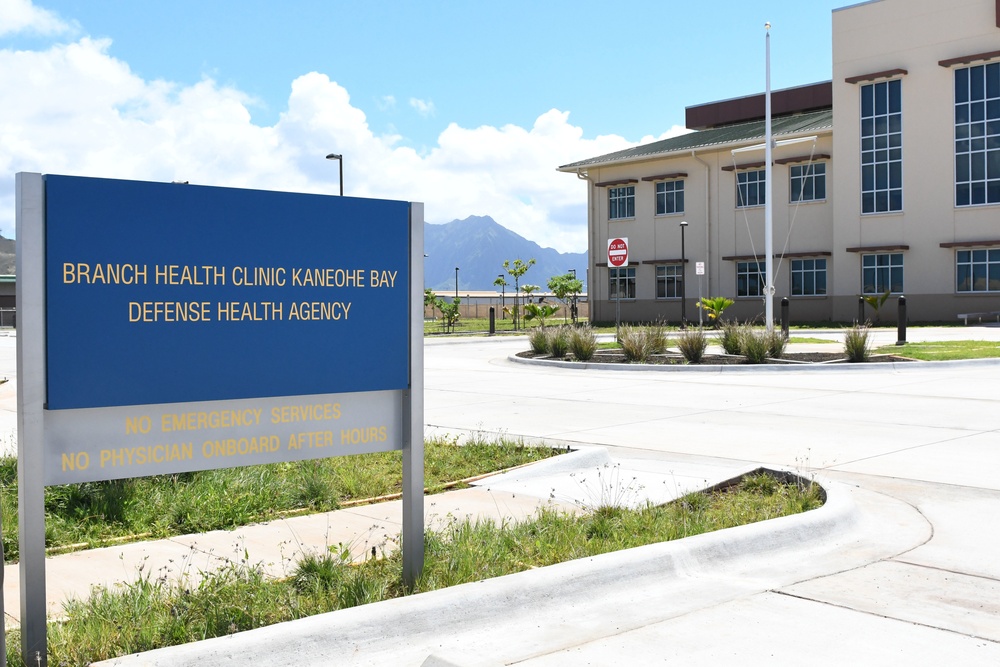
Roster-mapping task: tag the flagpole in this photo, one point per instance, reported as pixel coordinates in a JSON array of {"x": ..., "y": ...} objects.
[{"x": 768, "y": 206}]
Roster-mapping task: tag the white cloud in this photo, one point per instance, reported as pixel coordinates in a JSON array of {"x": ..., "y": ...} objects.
[
  {"x": 423, "y": 107},
  {"x": 22, "y": 16},
  {"x": 386, "y": 102},
  {"x": 74, "y": 109}
]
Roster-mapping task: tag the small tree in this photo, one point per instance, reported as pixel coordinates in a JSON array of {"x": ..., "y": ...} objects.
[
  {"x": 567, "y": 289},
  {"x": 516, "y": 269},
  {"x": 430, "y": 299},
  {"x": 449, "y": 312}
]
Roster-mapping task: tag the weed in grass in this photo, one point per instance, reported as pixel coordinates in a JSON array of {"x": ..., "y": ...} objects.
[
  {"x": 151, "y": 613},
  {"x": 761, "y": 483},
  {"x": 605, "y": 487},
  {"x": 857, "y": 343},
  {"x": 165, "y": 505},
  {"x": 692, "y": 344},
  {"x": 583, "y": 342},
  {"x": 315, "y": 488}
]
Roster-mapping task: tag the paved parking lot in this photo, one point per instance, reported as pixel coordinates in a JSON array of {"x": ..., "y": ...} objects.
[{"x": 900, "y": 567}]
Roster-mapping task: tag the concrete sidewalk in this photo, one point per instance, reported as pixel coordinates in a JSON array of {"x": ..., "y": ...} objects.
[
  {"x": 900, "y": 566},
  {"x": 571, "y": 482}
]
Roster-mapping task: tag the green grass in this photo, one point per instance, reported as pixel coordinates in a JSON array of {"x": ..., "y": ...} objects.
[
  {"x": 469, "y": 325},
  {"x": 153, "y": 613},
  {"x": 944, "y": 350},
  {"x": 94, "y": 513},
  {"x": 810, "y": 340}
]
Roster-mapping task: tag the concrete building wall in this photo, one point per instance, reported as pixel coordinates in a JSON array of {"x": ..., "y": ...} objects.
[
  {"x": 906, "y": 40},
  {"x": 873, "y": 42}
]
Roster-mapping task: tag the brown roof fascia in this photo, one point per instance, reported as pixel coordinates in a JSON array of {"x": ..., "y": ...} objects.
[
  {"x": 972, "y": 244},
  {"x": 666, "y": 261},
  {"x": 740, "y": 167},
  {"x": 879, "y": 248},
  {"x": 623, "y": 181},
  {"x": 791, "y": 255},
  {"x": 802, "y": 158},
  {"x": 965, "y": 60},
  {"x": 783, "y": 102},
  {"x": 666, "y": 177},
  {"x": 799, "y": 255},
  {"x": 887, "y": 74}
]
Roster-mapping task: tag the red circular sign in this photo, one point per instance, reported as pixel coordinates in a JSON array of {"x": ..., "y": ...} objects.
[{"x": 618, "y": 252}]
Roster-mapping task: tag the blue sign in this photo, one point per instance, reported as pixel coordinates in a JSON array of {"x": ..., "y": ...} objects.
[{"x": 164, "y": 293}]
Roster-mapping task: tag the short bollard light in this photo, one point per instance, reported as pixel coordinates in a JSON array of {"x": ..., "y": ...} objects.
[
  {"x": 901, "y": 321},
  {"x": 784, "y": 316}
]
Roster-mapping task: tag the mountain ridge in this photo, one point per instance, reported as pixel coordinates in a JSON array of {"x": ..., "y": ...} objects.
[{"x": 478, "y": 246}]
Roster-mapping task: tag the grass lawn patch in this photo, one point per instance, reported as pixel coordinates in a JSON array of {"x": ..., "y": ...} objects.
[
  {"x": 944, "y": 350},
  {"x": 153, "y": 613},
  {"x": 97, "y": 513}
]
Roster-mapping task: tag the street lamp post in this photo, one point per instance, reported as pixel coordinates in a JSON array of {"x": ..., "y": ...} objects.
[
  {"x": 572, "y": 307},
  {"x": 456, "y": 284},
  {"x": 503, "y": 293},
  {"x": 340, "y": 165},
  {"x": 684, "y": 225}
]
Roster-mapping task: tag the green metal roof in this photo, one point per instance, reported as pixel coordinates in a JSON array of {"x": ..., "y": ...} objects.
[{"x": 740, "y": 133}]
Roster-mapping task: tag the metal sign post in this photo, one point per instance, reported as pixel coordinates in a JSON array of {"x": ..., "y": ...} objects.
[
  {"x": 699, "y": 269},
  {"x": 618, "y": 257}
]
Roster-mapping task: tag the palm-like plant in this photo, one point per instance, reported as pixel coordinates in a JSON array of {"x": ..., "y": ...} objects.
[{"x": 713, "y": 306}]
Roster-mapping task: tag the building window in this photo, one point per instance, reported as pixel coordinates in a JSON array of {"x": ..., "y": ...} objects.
[
  {"x": 882, "y": 147},
  {"x": 622, "y": 283},
  {"x": 750, "y": 188},
  {"x": 808, "y": 182},
  {"x": 809, "y": 277},
  {"x": 978, "y": 270},
  {"x": 668, "y": 281},
  {"x": 882, "y": 272},
  {"x": 621, "y": 202},
  {"x": 977, "y": 135},
  {"x": 669, "y": 197},
  {"x": 750, "y": 278}
]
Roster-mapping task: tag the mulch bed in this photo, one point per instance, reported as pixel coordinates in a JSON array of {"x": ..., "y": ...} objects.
[{"x": 788, "y": 359}]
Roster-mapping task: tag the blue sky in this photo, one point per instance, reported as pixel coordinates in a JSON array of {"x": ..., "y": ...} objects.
[{"x": 466, "y": 106}]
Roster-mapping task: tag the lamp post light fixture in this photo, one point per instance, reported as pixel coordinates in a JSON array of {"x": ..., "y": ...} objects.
[
  {"x": 456, "y": 284},
  {"x": 340, "y": 162},
  {"x": 684, "y": 225}
]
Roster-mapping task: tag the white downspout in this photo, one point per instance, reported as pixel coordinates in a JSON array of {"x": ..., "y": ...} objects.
[
  {"x": 583, "y": 175},
  {"x": 708, "y": 221}
]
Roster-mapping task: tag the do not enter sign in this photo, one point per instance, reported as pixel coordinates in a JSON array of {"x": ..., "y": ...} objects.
[{"x": 618, "y": 251}]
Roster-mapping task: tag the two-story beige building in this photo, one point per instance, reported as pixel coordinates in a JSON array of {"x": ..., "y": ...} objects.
[{"x": 886, "y": 178}]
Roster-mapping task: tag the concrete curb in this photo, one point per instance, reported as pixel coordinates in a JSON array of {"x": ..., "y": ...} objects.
[
  {"x": 547, "y": 609},
  {"x": 895, "y": 366}
]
